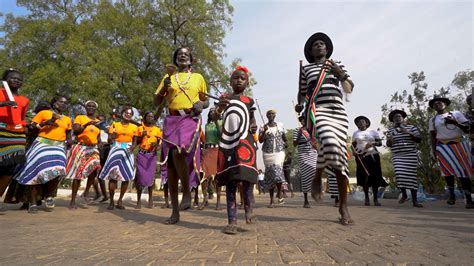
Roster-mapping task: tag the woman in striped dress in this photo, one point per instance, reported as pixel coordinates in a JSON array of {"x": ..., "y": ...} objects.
[
  {"x": 307, "y": 158},
  {"x": 120, "y": 164},
  {"x": 402, "y": 139},
  {"x": 451, "y": 148},
  {"x": 326, "y": 118},
  {"x": 46, "y": 157}
]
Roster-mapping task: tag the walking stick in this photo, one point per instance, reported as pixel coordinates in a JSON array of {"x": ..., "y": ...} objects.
[
  {"x": 259, "y": 111},
  {"x": 360, "y": 160}
]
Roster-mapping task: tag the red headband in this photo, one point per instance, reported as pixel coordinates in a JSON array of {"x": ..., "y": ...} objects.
[{"x": 242, "y": 68}]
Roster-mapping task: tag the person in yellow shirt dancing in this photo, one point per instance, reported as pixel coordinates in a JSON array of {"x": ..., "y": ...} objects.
[
  {"x": 149, "y": 137},
  {"x": 184, "y": 95},
  {"x": 84, "y": 159},
  {"x": 46, "y": 157},
  {"x": 120, "y": 164}
]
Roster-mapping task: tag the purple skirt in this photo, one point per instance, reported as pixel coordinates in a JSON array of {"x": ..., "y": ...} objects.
[
  {"x": 182, "y": 133},
  {"x": 146, "y": 169}
]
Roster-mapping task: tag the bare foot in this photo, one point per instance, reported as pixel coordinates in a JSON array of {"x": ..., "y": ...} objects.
[
  {"x": 218, "y": 207},
  {"x": 139, "y": 205},
  {"x": 185, "y": 203},
  {"x": 306, "y": 205},
  {"x": 173, "y": 219},
  {"x": 230, "y": 229},
  {"x": 345, "y": 217},
  {"x": 72, "y": 206},
  {"x": 203, "y": 205},
  {"x": 150, "y": 205},
  {"x": 316, "y": 190},
  {"x": 165, "y": 206}
]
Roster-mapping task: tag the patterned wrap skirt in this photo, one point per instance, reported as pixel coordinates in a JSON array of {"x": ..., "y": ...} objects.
[
  {"x": 273, "y": 168},
  {"x": 12, "y": 149},
  {"x": 120, "y": 164},
  {"x": 45, "y": 160},
  {"x": 454, "y": 158},
  {"x": 82, "y": 161}
]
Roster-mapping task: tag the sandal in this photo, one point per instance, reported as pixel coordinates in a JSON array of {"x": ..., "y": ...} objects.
[
  {"x": 417, "y": 205},
  {"x": 120, "y": 207},
  {"x": 230, "y": 229},
  {"x": 402, "y": 200},
  {"x": 451, "y": 201}
]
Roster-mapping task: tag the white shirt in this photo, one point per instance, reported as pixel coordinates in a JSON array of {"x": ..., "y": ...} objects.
[
  {"x": 261, "y": 177},
  {"x": 362, "y": 138},
  {"x": 447, "y": 131}
]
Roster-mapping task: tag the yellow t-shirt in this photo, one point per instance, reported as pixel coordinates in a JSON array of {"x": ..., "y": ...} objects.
[
  {"x": 125, "y": 133},
  {"x": 53, "y": 132},
  {"x": 177, "y": 99},
  {"x": 153, "y": 134},
  {"x": 90, "y": 134}
]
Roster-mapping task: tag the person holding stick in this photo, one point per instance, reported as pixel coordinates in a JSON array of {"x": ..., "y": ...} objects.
[
  {"x": 369, "y": 170},
  {"x": 182, "y": 92},
  {"x": 326, "y": 118},
  {"x": 13, "y": 109}
]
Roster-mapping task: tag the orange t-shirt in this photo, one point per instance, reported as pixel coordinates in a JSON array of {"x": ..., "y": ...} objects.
[
  {"x": 58, "y": 132},
  {"x": 154, "y": 135},
  {"x": 13, "y": 116},
  {"x": 90, "y": 134},
  {"x": 125, "y": 133}
]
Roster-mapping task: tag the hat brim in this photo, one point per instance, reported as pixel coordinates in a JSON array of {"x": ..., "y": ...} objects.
[
  {"x": 309, "y": 43},
  {"x": 394, "y": 112},
  {"x": 362, "y": 117},
  {"x": 445, "y": 100}
]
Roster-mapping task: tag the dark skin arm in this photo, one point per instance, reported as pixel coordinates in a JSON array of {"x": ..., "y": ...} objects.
[
  {"x": 433, "y": 142},
  {"x": 261, "y": 135},
  {"x": 160, "y": 96},
  {"x": 463, "y": 126},
  {"x": 68, "y": 139}
]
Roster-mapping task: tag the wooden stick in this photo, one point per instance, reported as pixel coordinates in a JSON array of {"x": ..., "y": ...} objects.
[
  {"x": 259, "y": 111},
  {"x": 360, "y": 160}
]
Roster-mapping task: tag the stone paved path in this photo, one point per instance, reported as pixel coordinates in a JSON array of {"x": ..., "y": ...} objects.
[{"x": 288, "y": 234}]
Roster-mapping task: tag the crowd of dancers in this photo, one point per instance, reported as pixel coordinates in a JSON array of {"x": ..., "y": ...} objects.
[{"x": 35, "y": 155}]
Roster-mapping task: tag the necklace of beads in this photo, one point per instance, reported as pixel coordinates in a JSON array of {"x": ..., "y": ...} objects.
[{"x": 181, "y": 84}]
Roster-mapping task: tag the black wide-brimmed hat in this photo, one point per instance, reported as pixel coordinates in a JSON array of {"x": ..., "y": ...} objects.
[
  {"x": 394, "y": 112},
  {"x": 309, "y": 43},
  {"x": 439, "y": 98},
  {"x": 362, "y": 117}
]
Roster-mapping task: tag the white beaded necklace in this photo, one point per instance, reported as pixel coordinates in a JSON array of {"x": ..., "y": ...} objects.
[{"x": 181, "y": 84}]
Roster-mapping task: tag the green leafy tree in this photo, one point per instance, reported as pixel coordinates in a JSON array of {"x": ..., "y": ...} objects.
[{"x": 111, "y": 51}]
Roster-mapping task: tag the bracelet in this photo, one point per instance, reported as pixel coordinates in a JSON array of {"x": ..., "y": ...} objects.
[
  {"x": 162, "y": 95},
  {"x": 217, "y": 111}
]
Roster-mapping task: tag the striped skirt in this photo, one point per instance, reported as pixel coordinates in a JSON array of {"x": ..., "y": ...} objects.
[
  {"x": 332, "y": 181},
  {"x": 120, "y": 164},
  {"x": 454, "y": 159},
  {"x": 45, "y": 160},
  {"x": 12, "y": 148},
  {"x": 82, "y": 162},
  {"x": 331, "y": 127},
  {"x": 405, "y": 165},
  {"x": 307, "y": 163}
]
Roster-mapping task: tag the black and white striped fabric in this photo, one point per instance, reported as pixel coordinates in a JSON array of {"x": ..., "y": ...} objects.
[
  {"x": 405, "y": 156},
  {"x": 331, "y": 122},
  {"x": 307, "y": 159},
  {"x": 332, "y": 181}
]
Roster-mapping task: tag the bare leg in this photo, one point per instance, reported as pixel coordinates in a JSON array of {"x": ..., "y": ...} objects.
[
  {"x": 271, "y": 191},
  {"x": 75, "y": 186},
  {"x": 103, "y": 190},
  {"x": 150, "y": 196},
  {"x": 204, "y": 187},
  {"x": 173, "y": 189},
  {"x": 181, "y": 168},
  {"x": 306, "y": 202},
  {"x": 342, "y": 183},
  {"x": 139, "y": 197},
  {"x": 316, "y": 185},
  {"x": 112, "y": 186},
  {"x": 196, "y": 196},
  {"x": 366, "y": 193},
  {"x": 123, "y": 189},
  {"x": 375, "y": 191},
  {"x": 166, "y": 192},
  {"x": 4, "y": 181},
  {"x": 241, "y": 192},
  {"x": 90, "y": 181},
  {"x": 218, "y": 197}
]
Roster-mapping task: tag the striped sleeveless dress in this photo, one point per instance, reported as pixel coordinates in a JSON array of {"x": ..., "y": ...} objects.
[
  {"x": 405, "y": 156},
  {"x": 307, "y": 158},
  {"x": 330, "y": 122}
]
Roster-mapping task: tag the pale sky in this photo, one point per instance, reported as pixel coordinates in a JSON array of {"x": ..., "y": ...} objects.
[{"x": 379, "y": 42}]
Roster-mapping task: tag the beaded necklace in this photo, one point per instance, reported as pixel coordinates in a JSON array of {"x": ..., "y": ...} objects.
[{"x": 181, "y": 84}]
